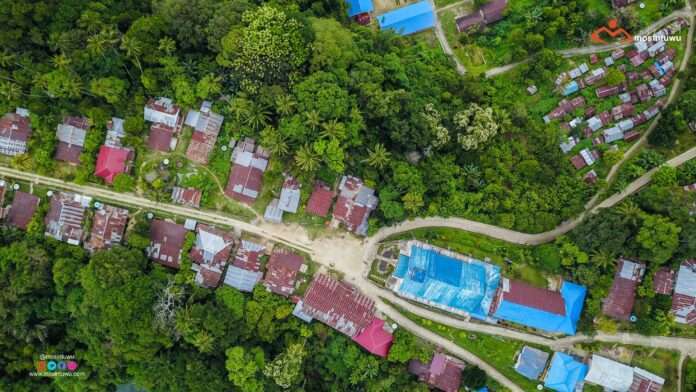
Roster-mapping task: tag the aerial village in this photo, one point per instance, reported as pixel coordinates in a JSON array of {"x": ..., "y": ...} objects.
[
  {"x": 596, "y": 116},
  {"x": 425, "y": 274}
]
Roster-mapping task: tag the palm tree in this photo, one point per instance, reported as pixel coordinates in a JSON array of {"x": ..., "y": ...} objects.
[
  {"x": 257, "y": 117},
  {"x": 312, "y": 119},
  {"x": 6, "y": 58},
  {"x": 334, "y": 129},
  {"x": 167, "y": 45},
  {"x": 306, "y": 159},
  {"x": 61, "y": 61},
  {"x": 10, "y": 91},
  {"x": 602, "y": 259},
  {"x": 133, "y": 50},
  {"x": 285, "y": 105},
  {"x": 274, "y": 141},
  {"x": 631, "y": 213},
  {"x": 378, "y": 157}
]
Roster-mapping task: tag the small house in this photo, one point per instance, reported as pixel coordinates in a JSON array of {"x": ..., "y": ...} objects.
[
  {"x": 565, "y": 373},
  {"x": 15, "y": 130},
  {"x": 246, "y": 176},
  {"x": 615, "y": 376},
  {"x": 71, "y": 136},
  {"x": 619, "y": 302},
  {"x": 320, "y": 200},
  {"x": 289, "y": 195},
  {"x": 108, "y": 227},
  {"x": 684, "y": 298},
  {"x": 408, "y": 20},
  {"x": 354, "y": 205},
  {"x": 206, "y": 126},
  {"x": 22, "y": 210},
  {"x": 612, "y": 134},
  {"x": 66, "y": 216},
  {"x": 568, "y": 145},
  {"x": 281, "y": 272},
  {"x": 189, "y": 197},
  {"x": 166, "y": 243},
  {"x": 531, "y": 362},
  {"x": 210, "y": 254},
  {"x": 273, "y": 213},
  {"x": 245, "y": 271},
  {"x": 663, "y": 281},
  {"x": 443, "y": 372}
]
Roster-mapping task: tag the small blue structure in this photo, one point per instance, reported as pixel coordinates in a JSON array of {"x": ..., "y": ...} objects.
[
  {"x": 565, "y": 373},
  {"x": 410, "y": 19},
  {"x": 531, "y": 362},
  {"x": 357, "y": 7},
  {"x": 571, "y": 88},
  {"x": 573, "y": 297}
]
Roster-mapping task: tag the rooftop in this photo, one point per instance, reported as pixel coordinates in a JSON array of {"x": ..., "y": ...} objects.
[
  {"x": 22, "y": 209},
  {"x": 409, "y": 19},
  {"x": 108, "y": 227},
  {"x": 320, "y": 200},
  {"x": 281, "y": 272},
  {"x": 166, "y": 241},
  {"x": 619, "y": 302},
  {"x": 684, "y": 298},
  {"x": 443, "y": 372}
]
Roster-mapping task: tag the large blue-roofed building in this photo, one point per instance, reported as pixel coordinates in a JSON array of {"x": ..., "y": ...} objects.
[
  {"x": 543, "y": 309},
  {"x": 357, "y": 7},
  {"x": 408, "y": 20},
  {"x": 565, "y": 373},
  {"x": 445, "y": 280}
]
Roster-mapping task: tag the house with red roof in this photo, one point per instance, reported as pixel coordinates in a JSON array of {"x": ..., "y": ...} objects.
[
  {"x": 354, "y": 205},
  {"x": 66, "y": 216},
  {"x": 489, "y": 13},
  {"x": 443, "y": 372},
  {"x": 245, "y": 271},
  {"x": 344, "y": 308},
  {"x": 622, "y": 295},
  {"x": 108, "y": 227},
  {"x": 22, "y": 210},
  {"x": 166, "y": 123},
  {"x": 684, "y": 298},
  {"x": 113, "y": 161},
  {"x": 206, "y": 127},
  {"x": 210, "y": 254},
  {"x": 281, "y": 272},
  {"x": 161, "y": 138},
  {"x": 71, "y": 136},
  {"x": 189, "y": 197},
  {"x": 166, "y": 243},
  {"x": 246, "y": 175},
  {"x": 663, "y": 281},
  {"x": 15, "y": 130},
  {"x": 320, "y": 200}
]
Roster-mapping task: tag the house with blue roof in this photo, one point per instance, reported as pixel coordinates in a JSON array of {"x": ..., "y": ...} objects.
[
  {"x": 410, "y": 19},
  {"x": 571, "y": 88},
  {"x": 565, "y": 373},
  {"x": 531, "y": 362},
  {"x": 357, "y": 7},
  {"x": 542, "y": 309}
]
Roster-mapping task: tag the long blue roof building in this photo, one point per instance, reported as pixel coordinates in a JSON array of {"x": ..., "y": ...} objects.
[{"x": 408, "y": 20}]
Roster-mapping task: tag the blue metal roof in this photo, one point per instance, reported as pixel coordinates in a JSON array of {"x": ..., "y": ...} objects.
[
  {"x": 410, "y": 19},
  {"x": 573, "y": 297},
  {"x": 531, "y": 362},
  {"x": 565, "y": 373},
  {"x": 357, "y": 7}
]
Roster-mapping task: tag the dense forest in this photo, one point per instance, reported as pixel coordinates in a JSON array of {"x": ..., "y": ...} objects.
[
  {"x": 128, "y": 320},
  {"x": 324, "y": 95}
]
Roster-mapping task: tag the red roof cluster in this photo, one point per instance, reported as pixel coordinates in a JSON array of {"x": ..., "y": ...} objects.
[
  {"x": 14, "y": 134},
  {"x": 166, "y": 241},
  {"x": 22, "y": 209},
  {"x": 443, "y": 372},
  {"x": 211, "y": 252},
  {"x": 246, "y": 176},
  {"x": 112, "y": 161},
  {"x": 281, "y": 272},
  {"x": 354, "y": 204},
  {"x": 622, "y": 295},
  {"x": 320, "y": 200},
  {"x": 248, "y": 256},
  {"x": 663, "y": 281},
  {"x": 108, "y": 227}
]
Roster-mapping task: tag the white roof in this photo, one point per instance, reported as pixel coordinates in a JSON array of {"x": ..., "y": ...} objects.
[
  {"x": 22, "y": 112},
  {"x": 192, "y": 118},
  {"x": 71, "y": 135},
  {"x": 587, "y": 156},
  {"x": 289, "y": 199},
  {"x": 610, "y": 374},
  {"x": 631, "y": 270},
  {"x": 649, "y": 376},
  {"x": 568, "y": 145},
  {"x": 686, "y": 281},
  {"x": 273, "y": 213},
  {"x": 641, "y": 46},
  {"x": 608, "y": 61},
  {"x": 210, "y": 242},
  {"x": 594, "y": 123},
  {"x": 626, "y": 125}
]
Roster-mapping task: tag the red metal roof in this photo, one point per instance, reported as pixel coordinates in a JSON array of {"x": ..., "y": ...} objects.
[
  {"x": 167, "y": 239},
  {"x": 281, "y": 272},
  {"x": 578, "y": 162},
  {"x": 663, "y": 282},
  {"x": 108, "y": 227},
  {"x": 443, "y": 372},
  {"x": 375, "y": 339},
  {"x": 622, "y": 295},
  {"x": 187, "y": 196},
  {"x": 320, "y": 201},
  {"x": 111, "y": 162},
  {"x": 22, "y": 209},
  {"x": 160, "y": 137},
  {"x": 15, "y": 127},
  {"x": 68, "y": 153},
  {"x": 247, "y": 177},
  {"x": 339, "y": 305},
  {"x": 534, "y": 297}
]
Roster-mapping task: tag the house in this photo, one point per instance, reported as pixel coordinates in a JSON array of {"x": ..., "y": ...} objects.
[
  {"x": 612, "y": 134},
  {"x": 590, "y": 111},
  {"x": 531, "y": 362},
  {"x": 651, "y": 112},
  {"x": 166, "y": 242},
  {"x": 607, "y": 91},
  {"x": 163, "y": 111},
  {"x": 532, "y": 89},
  {"x": 273, "y": 213},
  {"x": 565, "y": 374},
  {"x": 108, "y": 227},
  {"x": 246, "y": 175},
  {"x": 15, "y": 130},
  {"x": 622, "y": 295},
  {"x": 578, "y": 71},
  {"x": 637, "y": 59},
  {"x": 658, "y": 88},
  {"x": 113, "y": 161},
  {"x": 71, "y": 139},
  {"x": 410, "y": 19},
  {"x": 354, "y": 205},
  {"x": 571, "y": 88},
  {"x": 189, "y": 197},
  {"x": 615, "y": 376},
  {"x": 114, "y": 132},
  {"x": 594, "y": 59},
  {"x": 281, "y": 272},
  {"x": 608, "y": 61},
  {"x": 320, "y": 200},
  {"x": 684, "y": 298},
  {"x": 489, "y": 13},
  {"x": 568, "y": 145},
  {"x": 358, "y": 8},
  {"x": 621, "y": 3},
  {"x": 245, "y": 270},
  {"x": 667, "y": 55},
  {"x": 289, "y": 195},
  {"x": 578, "y": 162},
  {"x": 618, "y": 54},
  {"x": 66, "y": 216},
  {"x": 443, "y": 372},
  {"x": 584, "y": 158},
  {"x": 539, "y": 308},
  {"x": 22, "y": 210},
  {"x": 657, "y": 47},
  {"x": 626, "y": 125},
  {"x": 210, "y": 254},
  {"x": 631, "y": 135},
  {"x": 344, "y": 308},
  {"x": 574, "y": 123},
  {"x": 161, "y": 138},
  {"x": 590, "y": 177},
  {"x": 622, "y": 111},
  {"x": 595, "y": 76},
  {"x": 663, "y": 281},
  {"x": 206, "y": 127},
  {"x": 690, "y": 188},
  {"x": 644, "y": 92},
  {"x": 595, "y": 123}
]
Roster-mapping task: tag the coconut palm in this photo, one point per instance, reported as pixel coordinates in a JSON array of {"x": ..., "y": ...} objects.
[
  {"x": 631, "y": 213},
  {"x": 6, "y": 58},
  {"x": 306, "y": 159},
  {"x": 603, "y": 259},
  {"x": 378, "y": 157},
  {"x": 167, "y": 45},
  {"x": 61, "y": 61},
  {"x": 285, "y": 105},
  {"x": 334, "y": 129},
  {"x": 312, "y": 119},
  {"x": 257, "y": 117},
  {"x": 133, "y": 50},
  {"x": 274, "y": 141},
  {"x": 10, "y": 91}
]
